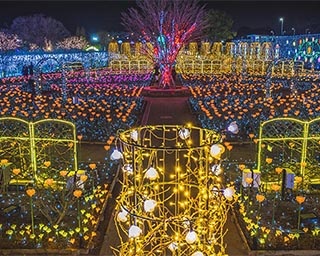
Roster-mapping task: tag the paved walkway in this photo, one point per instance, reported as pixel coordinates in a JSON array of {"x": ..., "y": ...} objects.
[
  {"x": 175, "y": 110},
  {"x": 170, "y": 110}
]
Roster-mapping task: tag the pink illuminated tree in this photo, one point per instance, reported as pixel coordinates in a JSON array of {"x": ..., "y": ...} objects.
[{"x": 168, "y": 25}]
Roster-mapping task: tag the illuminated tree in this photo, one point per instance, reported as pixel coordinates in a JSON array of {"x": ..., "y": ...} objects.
[
  {"x": 73, "y": 42},
  {"x": 38, "y": 28},
  {"x": 9, "y": 42},
  {"x": 168, "y": 26}
]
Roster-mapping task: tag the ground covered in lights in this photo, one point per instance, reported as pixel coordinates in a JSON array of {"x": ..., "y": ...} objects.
[{"x": 103, "y": 104}]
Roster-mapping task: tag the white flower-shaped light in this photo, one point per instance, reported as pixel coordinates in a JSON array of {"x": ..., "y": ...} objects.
[
  {"x": 191, "y": 237},
  {"x": 197, "y": 253},
  {"x": 122, "y": 216},
  {"x": 217, "y": 150},
  {"x": 134, "y": 231},
  {"x": 151, "y": 174},
  {"x": 127, "y": 168},
  {"x": 134, "y": 135},
  {"x": 149, "y": 205},
  {"x": 116, "y": 155},
  {"x": 233, "y": 128},
  {"x": 184, "y": 133},
  {"x": 173, "y": 246},
  {"x": 216, "y": 169},
  {"x": 229, "y": 193}
]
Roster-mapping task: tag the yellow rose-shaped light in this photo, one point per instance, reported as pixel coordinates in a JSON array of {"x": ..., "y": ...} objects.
[
  {"x": 47, "y": 163},
  {"x": 92, "y": 166},
  {"x": 242, "y": 167},
  {"x": 30, "y": 192},
  {"x": 63, "y": 173},
  {"x": 260, "y": 198},
  {"x": 278, "y": 170},
  {"x": 300, "y": 199},
  {"x": 275, "y": 187},
  {"x": 298, "y": 179},
  {"x": 48, "y": 182},
  {"x": 83, "y": 178},
  {"x": 230, "y": 147},
  {"x": 16, "y": 171},
  {"x": 77, "y": 193},
  {"x": 268, "y": 160},
  {"x": 249, "y": 180},
  {"x": 4, "y": 161}
]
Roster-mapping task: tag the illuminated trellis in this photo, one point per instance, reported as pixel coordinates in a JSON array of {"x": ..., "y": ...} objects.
[
  {"x": 172, "y": 200},
  {"x": 289, "y": 143},
  {"x": 33, "y": 147}
]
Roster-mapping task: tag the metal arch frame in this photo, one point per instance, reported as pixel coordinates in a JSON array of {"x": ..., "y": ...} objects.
[
  {"x": 63, "y": 74},
  {"x": 305, "y": 138},
  {"x": 32, "y": 127}
]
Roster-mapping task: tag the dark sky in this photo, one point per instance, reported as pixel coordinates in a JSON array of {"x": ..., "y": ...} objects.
[{"x": 105, "y": 14}]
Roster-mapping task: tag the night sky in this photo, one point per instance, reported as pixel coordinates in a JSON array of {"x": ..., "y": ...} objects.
[{"x": 105, "y": 15}]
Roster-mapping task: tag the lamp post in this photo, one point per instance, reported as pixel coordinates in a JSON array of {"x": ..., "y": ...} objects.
[
  {"x": 293, "y": 31},
  {"x": 281, "y": 23}
]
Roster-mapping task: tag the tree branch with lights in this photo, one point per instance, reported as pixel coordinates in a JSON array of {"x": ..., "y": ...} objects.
[{"x": 168, "y": 26}]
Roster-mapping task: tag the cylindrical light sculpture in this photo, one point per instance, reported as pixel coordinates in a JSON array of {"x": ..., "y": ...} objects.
[{"x": 171, "y": 194}]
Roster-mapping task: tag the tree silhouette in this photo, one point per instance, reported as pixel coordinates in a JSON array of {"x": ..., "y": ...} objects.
[
  {"x": 38, "y": 28},
  {"x": 168, "y": 26},
  {"x": 220, "y": 27}
]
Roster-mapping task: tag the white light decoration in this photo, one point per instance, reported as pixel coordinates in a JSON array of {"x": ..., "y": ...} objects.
[
  {"x": 197, "y": 253},
  {"x": 217, "y": 150},
  {"x": 149, "y": 205},
  {"x": 216, "y": 169},
  {"x": 122, "y": 216},
  {"x": 173, "y": 246},
  {"x": 191, "y": 237},
  {"x": 134, "y": 135},
  {"x": 233, "y": 128},
  {"x": 152, "y": 174},
  {"x": 134, "y": 231},
  {"x": 127, "y": 168},
  {"x": 229, "y": 193},
  {"x": 116, "y": 155},
  {"x": 161, "y": 195},
  {"x": 184, "y": 133}
]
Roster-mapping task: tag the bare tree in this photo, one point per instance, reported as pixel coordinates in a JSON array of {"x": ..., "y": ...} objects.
[
  {"x": 9, "y": 42},
  {"x": 38, "y": 28},
  {"x": 168, "y": 25},
  {"x": 73, "y": 42}
]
